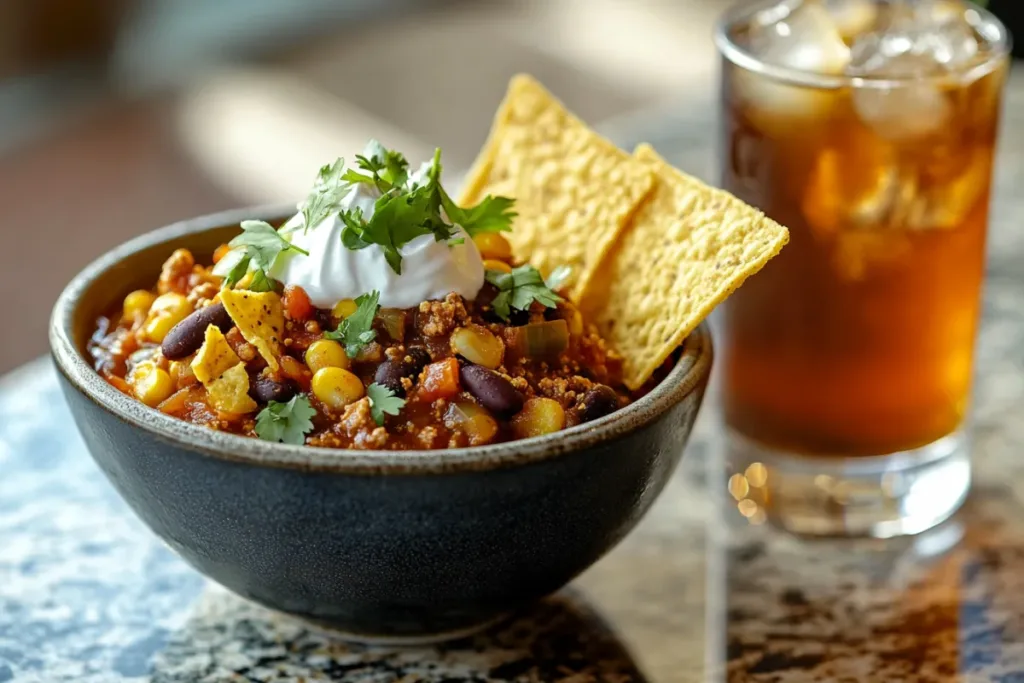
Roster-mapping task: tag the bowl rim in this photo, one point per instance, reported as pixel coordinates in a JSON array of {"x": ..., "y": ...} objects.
[{"x": 689, "y": 374}]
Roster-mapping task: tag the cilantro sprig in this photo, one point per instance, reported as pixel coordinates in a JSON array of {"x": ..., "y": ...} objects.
[
  {"x": 383, "y": 400},
  {"x": 519, "y": 289},
  {"x": 413, "y": 206},
  {"x": 356, "y": 331},
  {"x": 384, "y": 168},
  {"x": 255, "y": 249},
  {"x": 329, "y": 189},
  {"x": 287, "y": 422}
]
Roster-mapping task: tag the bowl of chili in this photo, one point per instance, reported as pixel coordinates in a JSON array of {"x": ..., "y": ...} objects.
[{"x": 400, "y": 543}]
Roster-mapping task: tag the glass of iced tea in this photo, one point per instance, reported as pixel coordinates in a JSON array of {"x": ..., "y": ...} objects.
[{"x": 868, "y": 129}]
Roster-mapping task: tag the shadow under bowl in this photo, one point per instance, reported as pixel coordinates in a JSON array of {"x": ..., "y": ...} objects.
[{"x": 399, "y": 545}]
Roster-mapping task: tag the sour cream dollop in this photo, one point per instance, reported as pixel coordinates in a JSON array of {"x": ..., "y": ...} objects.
[{"x": 332, "y": 272}]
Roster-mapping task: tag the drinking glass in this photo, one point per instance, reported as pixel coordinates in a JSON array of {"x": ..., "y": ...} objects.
[{"x": 868, "y": 128}]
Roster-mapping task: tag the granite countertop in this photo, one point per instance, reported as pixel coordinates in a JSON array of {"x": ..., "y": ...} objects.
[{"x": 87, "y": 594}]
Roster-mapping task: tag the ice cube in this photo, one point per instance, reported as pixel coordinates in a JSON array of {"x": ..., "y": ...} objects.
[
  {"x": 946, "y": 203},
  {"x": 922, "y": 42},
  {"x": 853, "y": 17},
  {"x": 862, "y": 184},
  {"x": 800, "y": 35},
  {"x": 796, "y": 35},
  {"x": 855, "y": 183}
]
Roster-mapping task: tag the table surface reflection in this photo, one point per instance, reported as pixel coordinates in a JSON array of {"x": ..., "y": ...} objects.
[{"x": 695, "y": 593}]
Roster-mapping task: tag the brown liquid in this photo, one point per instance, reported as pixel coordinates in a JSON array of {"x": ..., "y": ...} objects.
[{"x": 858, "y": 339}]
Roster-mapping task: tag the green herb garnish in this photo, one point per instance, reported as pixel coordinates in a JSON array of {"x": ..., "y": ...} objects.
[
  {"x": 409, "y": 208},
  {"x": 519, "y": 289},
  {"x": 492, "y": 214},
  {"x": 385, "y": 168},
  {"x": 286, "y": 422},
  {"x": 383, "y": 400},
  {"x": 329, "y": 189},
  {"x": 256, "y": 248},
  {"x": 356, "y": 331}
]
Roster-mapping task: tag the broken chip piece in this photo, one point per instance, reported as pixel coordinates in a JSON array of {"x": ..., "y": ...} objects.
[
  {"x": 229, "y": 393},
  {"x": 259, "y": 316},
  {"x": 214, "y": 357}
]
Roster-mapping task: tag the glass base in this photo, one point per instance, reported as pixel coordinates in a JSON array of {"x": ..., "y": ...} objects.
[{"x": 883, "y": 496}]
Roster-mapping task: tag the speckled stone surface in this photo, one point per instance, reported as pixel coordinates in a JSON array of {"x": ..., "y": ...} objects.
[{"x": 88, "y": 595}]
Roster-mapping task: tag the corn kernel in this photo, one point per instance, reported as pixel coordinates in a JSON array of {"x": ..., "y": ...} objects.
[
  {"x": 325, "y": 353},
  {"x": 478, "y": 345},
  {"x": 152, "y": 385},
  {"x": 344, "y": 308},
  {"x": 137, "y": 303},
  {"x": 167, "y": 311},
  {"x": 336, "y": 387},
  {"x": 493, "y": 246},
  {"x": 182, "y": 374},
  {"x": 474, "y": 420},
  {"x": 538, "y": 416},
  {"x": 500, "y": 266}
]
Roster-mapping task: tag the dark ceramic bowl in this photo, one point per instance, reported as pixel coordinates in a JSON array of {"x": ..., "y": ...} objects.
[{"x": 399, "y": 545}]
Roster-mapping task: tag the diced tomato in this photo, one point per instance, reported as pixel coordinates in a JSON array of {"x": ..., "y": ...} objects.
[
  {"x": 439, "y": 380},
  {"x": 297, "y": 305},
  {"x": 176, "y": 403},
  {"x": 119, "y": 384}
]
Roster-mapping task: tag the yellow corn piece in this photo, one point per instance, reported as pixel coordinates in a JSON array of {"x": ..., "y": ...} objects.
[
  {"x": 151, "y": 385},
  {"x": 166, "y": 311},
  {"x": 326, "y": 353},
  {"x": 137, "y": 303},
  {"x": 336, "y": 387},
  {"x": 344, "y": 308}
]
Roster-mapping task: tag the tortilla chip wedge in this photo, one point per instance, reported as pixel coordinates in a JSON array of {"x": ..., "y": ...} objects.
[
  {"x": 574, "y": 190},
  {"x": 686, "y": 249}
]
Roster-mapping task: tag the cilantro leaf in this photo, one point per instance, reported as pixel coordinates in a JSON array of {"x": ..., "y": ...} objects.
[
  {"x": 356, "y": 331},
  {"x": 383, "y": 400},
  {"x": 233, "y": 266},
  {"x": 519, "y": 289},
  {"x": 255, "y": 249},
  {"x": 492, "y": 214},
  {"x": 388, "y": 167},
  {"x": 385, "y": 169},
  {"x": 329, "y": 189},
  {"x": 411, "y": 206},
  {"x": 286, "y": 422}
]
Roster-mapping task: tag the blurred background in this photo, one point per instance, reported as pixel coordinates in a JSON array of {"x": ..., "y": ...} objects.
[{"x": 119, "y": 116}]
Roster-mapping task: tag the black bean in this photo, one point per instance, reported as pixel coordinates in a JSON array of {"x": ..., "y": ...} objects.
[
  {"x": 598, "y": 402},
  {"x": 419, "y": 357},
  {"x": 492, "y": 390},
  {"x": 389, "y": 374},
  {"x": 187, "y": 336},
  {"x": 265, "y": 390}
]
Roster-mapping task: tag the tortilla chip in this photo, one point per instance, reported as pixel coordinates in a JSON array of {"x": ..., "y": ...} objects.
[
  {"x": 260, "y": 318},
  {"x": 214, "y": 357},
  {"x": 688, "y": 247},
  {"x": 229, "y": 393},
  {"x": 574, "y": 190}
]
